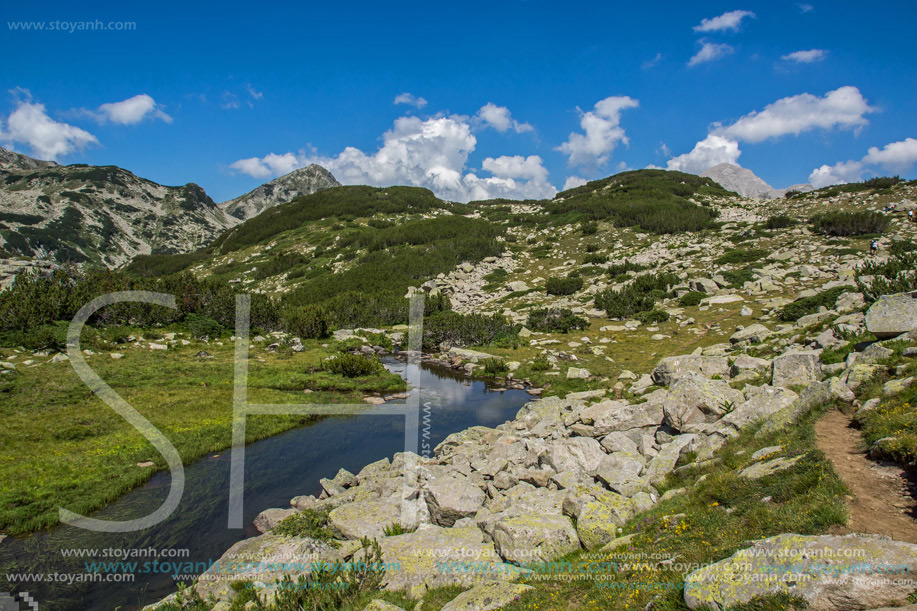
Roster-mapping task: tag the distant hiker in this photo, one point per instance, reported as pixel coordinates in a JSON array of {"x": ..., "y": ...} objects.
[
  {"x": 910, "y": 215},
  {"x": 874, "y": 246}
]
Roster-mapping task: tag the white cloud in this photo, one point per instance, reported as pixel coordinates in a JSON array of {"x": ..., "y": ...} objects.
[
  {"x": 130, "y": 111},
  {"x": 651, "y": 63},
  {"x": 895, "y": 155},
  {"x": 805, "y": 8},
  {"x": 49, "y": 139},
  {"x": 410, "y": 100},
  {"x": 431, "y": 153},
  {"x": 257, "y": 95},
  {"x": 841, "y": 108},
  {"x": 573, "y": 181},
  {"x": 843, "y": 172},
  {"x": 710, "y": 51},
  {"x": 602, "y": 132},
  {"x": 727, "y": 21},
  {"x": 806, "y": 57},
  {"x": 499, "y": 118},
  {"x": 230, "y": 101},
  {"x": 712, "y": 150},
  {"x": 269, "y": 165}
]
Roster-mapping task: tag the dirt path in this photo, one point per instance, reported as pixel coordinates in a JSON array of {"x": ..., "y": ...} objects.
[{"x": 883, "y": 499}]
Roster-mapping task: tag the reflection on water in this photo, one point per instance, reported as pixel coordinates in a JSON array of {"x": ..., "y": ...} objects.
[{"x": 276, "y": 469}]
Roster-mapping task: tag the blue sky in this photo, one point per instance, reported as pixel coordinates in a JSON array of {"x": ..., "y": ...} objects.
[{"x": 513, "y": 98}]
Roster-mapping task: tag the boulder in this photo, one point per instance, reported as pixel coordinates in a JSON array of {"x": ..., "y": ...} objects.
[
  {"x": 763, "y": 469},
  {"x": 364, "y": 519},
  {"x": 578, "y": 373},
  {"x": 664, "y": 462},
  {"x": 381, "y": 605},
  {"x": 621, "y": 472},
  {"x": 760, "y": 405},
  {"x": 535, "y": 538},
  {"x": 892, "y": 315},
  {"x": 694, "y": 400},
  {"x": 597, "y": 525},
  {"x": 517, "y": 286},
  {"x": 580, "y": 455},
  {"x": 610, "y": 416},
  {"x": 424, "y": 558},
  {"x": 827, "y": 571},
  {"x": 270, "y": 518},
  {"x": 672, "y": 367},
  {"x": 453, "y": 498},
  {"x": 752, "y": 334},
  {"x": 796, "y": 368},
  {"x": 268, "y": 558},
  {"x": 487, "y": 597}
]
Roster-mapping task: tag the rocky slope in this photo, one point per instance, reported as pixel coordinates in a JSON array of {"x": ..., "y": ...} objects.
[
  {"x": 744, "y": 182},
  {"x": 303, "y": 181},
  {"x": 102, "y": 214}
]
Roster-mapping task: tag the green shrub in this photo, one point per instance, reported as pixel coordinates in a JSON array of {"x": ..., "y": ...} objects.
[
  {"x": 896, "y": 275},
  {"x": 652, "y": 316},
  {"x": 849, "y": 223},
  {"x": 900, "y": 247},
  {"x": 780, "y": 221},
  {"x": 742, "y": 255},
  {"x": 595, "y": 259},
  {"x": 555, "y": 319},
  {"x": 353, "y": 365},
  {"x": 307, "y": 322},
  {"x": 691, "y": 299},
  {"x": 563, "y": 286},
  {"x": 589, "y": 228},
  {"x": 639, "y": 296},
  {"x": 395, "y": 529},
  {"x": 309, "y": 523},
  {"x": 616, "y": 269},
  {"x": 494, "y": 366},
  {"x": 203, "y": 327},
  {"x": 540, "y": 363},
  {"x": 738, "y": 277},
  {"x": 592, "y": 247},
  {"x": 810, "y": 305},
  {"x": 44, "y": 337},
  {"x": 457, "y": 329}
]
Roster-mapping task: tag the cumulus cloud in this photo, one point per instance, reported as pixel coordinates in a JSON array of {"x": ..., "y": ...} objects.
[
  {"x": 843, "y": 172},
  {"x": 410, "y": 100},
  {"x": 894, "y": 156},
  {"x": 602, "y": 132},
  {"x": 727, "y": 21},
  {"x": 130, "y": 111},
  {"x": 841, "y": 108},
  {"x": 712, "y": 150},
  {"x": 710, "y": 51},
  {"x": 573, "y": 181},
  {"x": 805, "y": 57},
  {"x": 269, "y": 165},
  {"x": 431, "y": 153},
  {"x": 29, "y": 124},
  {"x": 500, "y": 118}
]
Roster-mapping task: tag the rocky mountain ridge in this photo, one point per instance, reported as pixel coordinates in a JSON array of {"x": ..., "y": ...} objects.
[
  {"x": 303, "y": 181},
  {"x": 744, "y": 182}
]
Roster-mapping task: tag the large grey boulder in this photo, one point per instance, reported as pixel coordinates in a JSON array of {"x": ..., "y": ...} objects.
[
  {"x": 364, "y": 519},
  {"x": 796, "y": 368},
  {"x": 609, "y": 416},
  {"x": 663, "y": 463},
  {"x": 621, "y": 472},
  {"x": 672, "y": 367},
  {"x": 760, "y": 405},
  {"x": 425, "y": 555},
  {"x": 752, "y": 334},
  {"x": 452, "y": 498},
  {"x": 892, "y": 315},
  {"x": 269, "y": 518},
  {"x": 580, "y": 455},
  {"x": 535, "y": 538},
  {"x": 267, "y": 558},
  {"x": 694, "y": 400},
  {"x": 827, "y": 571},
  {"x": 487, "y": 597}
]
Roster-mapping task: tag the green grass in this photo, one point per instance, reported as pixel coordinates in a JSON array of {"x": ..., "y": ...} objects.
[
  {"x": 61, "y": 446},
  {"x": 895, "y": 423}
]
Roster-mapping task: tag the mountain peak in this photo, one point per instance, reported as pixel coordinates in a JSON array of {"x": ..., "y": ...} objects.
[
  {"x": 302, "y": 181},
  {"x": 13, "y": 161},
  {"x": 741, "y": 180}
]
